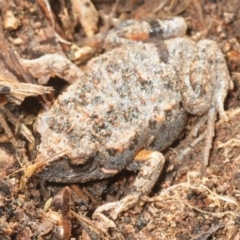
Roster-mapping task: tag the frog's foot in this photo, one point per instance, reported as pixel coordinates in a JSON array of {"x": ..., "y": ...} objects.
[
  {"x": 143, "y": 184},
  {"x": 208, "y": 134}
]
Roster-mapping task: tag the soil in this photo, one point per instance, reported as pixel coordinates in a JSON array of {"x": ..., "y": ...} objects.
[{"x": 188, "y": 202}]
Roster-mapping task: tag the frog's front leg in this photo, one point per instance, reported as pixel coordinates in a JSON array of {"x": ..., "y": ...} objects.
[
  {"x": 143, "y": 184},
  {"x": 51, "y": 65},
  {"x": 128, "y": 32}
]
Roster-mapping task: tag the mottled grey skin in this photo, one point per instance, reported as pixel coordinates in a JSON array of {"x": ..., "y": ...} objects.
[
  {"x": 127, "y": 101},
  {"x": 134, "y": 97}
]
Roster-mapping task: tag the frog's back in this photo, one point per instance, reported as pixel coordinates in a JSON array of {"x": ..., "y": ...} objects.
[{"x": 127, "y": 100}]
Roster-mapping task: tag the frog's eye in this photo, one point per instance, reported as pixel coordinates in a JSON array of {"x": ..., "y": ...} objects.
[{"x": 81, "y": 164}]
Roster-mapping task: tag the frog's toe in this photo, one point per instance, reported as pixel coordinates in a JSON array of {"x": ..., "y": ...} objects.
[
  {"x": 114, "y": 209},
  {"x": 221, "y": 111},
  {"x": 105, "y": 221},
  {"x": 211, "y": 116}
]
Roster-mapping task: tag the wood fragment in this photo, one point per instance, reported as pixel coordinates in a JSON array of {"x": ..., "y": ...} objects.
[
  {"x": 91, "y": 227},
  {"x": 19, "y": 148},
  {"x": 44, "y": 4},
  {"x": 88, "y": 15},
  {"x": 22, "y": 128},
  {"x": 211, "y": 231},
  {"x": 10, "y": 21}
]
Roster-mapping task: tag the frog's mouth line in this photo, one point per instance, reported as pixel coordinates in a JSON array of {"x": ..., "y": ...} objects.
[{"x": 65, "y": 172}]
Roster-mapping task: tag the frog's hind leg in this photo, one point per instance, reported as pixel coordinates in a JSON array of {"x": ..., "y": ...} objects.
[
  {"x": 220, "y": 82},
  {"x": 204, "y": 87},
  {"x": 134, "y": 30},
  {"x": 143, "y": 185}
]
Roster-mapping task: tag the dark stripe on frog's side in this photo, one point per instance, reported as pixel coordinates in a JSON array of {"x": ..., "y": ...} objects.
[
  {"x": 163, "y": 52},
  {"x": 156, "y": 30},
  {"x": 156, "y": 33},
  {"x": 4, "y": 89}
]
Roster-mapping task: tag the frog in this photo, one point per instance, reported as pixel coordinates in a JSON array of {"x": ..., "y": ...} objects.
[{"x": 129, "y": 104}]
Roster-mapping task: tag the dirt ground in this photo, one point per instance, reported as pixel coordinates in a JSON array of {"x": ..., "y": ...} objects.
[{"x": 186, "y": 202}]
